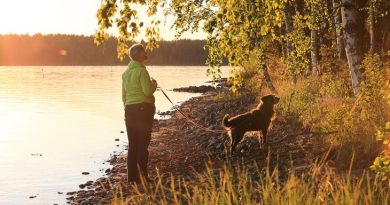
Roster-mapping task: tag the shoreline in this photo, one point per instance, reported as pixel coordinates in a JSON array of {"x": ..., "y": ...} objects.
[
  {"x": 179, "y": 149},
  {"x": 90, "y": 191}
]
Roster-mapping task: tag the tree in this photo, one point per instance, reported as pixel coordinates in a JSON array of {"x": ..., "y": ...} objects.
[
  {"x": 338, "y": 30},
  {"x": 378, "y": 23},
  {"x": 352, "y": 30},
  {"x": 127, "y": 22},
  {"x": 243, "y": 31}
]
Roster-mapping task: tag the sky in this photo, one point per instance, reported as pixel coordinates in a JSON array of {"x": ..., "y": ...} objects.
[{"x": 61, "y": 16}]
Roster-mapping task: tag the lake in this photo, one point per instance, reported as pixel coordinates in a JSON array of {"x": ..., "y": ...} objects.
[{"x": 57, "y": 122}]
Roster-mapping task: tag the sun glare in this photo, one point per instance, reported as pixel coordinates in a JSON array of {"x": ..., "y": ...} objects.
[
  {"x": 63, "y": 16},
  {"x": 48, "y": 16}
]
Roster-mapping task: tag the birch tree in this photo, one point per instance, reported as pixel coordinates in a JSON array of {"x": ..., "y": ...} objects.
[
  {"x": 351, "y": 25},
  {"x": 338, "y": 31}
]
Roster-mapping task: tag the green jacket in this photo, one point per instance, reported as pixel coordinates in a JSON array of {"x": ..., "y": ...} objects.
[{"x": 136, "y": 85}]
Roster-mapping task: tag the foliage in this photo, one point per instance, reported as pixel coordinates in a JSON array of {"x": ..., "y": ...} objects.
[
  {"x": 238, "y": 31},
  {"x": 326, "y": 104},
  {"x": 297, "y": 61},
  {"x": 126, "y": 17},
  {"x": 381, "y": 164}
]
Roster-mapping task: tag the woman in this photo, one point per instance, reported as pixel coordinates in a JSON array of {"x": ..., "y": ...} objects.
[{"x": 138, "y": 99}]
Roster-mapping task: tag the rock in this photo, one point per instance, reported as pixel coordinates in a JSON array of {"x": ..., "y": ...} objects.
[
  {"x": 85, "y": 173},
  {"x": 195, "y": 89},
  {"x": 114, "y": 170},
  {"x": 70, "y": 198},
  {"x": 85, "y": 202},
  {"x": 32, "y": 197},
  {"x": 81, "y": 192},
  {"x": 100, "y": 194},
  {"x": 107, "y": 171},
  {"x": 89, "y": 183},
  {"x": 82, "y": 186},
  {"x": 116, "y": 139},
  {"x": 169, "y": 112},
  {"x": 122, "y": 132},
  {"x": 71, "y": 193},
  {"x": 59, "y": 192}
]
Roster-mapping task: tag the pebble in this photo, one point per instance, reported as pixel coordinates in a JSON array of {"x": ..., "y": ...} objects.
[
  {"x": 70, "y": 198},
  {"x": 85, "y": 173},
  {"x": 89, "y": 183}
]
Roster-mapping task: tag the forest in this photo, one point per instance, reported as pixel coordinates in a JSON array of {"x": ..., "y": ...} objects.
[{"x": 61, "y": 50}]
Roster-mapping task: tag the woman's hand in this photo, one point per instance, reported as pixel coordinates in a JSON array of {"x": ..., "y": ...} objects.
[{"x": 154, "y": 82}]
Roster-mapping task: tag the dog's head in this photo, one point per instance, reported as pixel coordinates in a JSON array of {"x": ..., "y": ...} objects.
[{"x": 270, "y": 99}]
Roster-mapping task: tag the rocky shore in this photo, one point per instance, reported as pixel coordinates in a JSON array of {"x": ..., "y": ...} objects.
[
  {"x": 196, "y": 89},
  {"x": 178, "y": 148}
]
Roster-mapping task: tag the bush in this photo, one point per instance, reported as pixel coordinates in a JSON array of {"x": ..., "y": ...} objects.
[{"x": 326, "y": 104}]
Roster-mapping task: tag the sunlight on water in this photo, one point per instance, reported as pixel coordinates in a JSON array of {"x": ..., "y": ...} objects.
[{"x": 56, "y": 122}]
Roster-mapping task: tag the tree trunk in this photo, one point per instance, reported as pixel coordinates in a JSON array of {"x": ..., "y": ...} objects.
[
  {"x": 314, "y": 53},
  {"x": 385, "y": 30},
  {"x": 339, "y": 32},
  {"x": 282, "y": 43},
  {"x": 262, "y": 59},
  {"x": 289, "y": 27},
  {"x": 268, "y": 80},
  {"x": 263, "y": 66},
  {"x": 288, "y": 23},
  {"x": 349, "y": 14},
  {"x": 372, "y": 30}
]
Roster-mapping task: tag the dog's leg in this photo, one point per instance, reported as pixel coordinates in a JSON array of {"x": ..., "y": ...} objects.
[
  {"x": 260, "y": 138},
  {"x": 233, "y": 147},
  {"x": 236, "y": 137},
  {"x": 264, "y": 131}
]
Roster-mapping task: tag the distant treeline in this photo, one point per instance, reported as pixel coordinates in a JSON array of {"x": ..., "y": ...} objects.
[{"x": 58, "y": 49}]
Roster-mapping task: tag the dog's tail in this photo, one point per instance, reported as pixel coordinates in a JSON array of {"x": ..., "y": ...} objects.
[{"x": 226, "y": 121}]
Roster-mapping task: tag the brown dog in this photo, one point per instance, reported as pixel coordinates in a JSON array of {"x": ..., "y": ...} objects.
[{"x": 257, "y": 119}]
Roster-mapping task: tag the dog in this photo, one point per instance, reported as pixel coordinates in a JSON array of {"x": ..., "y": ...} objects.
[{"x": 258, "y": 119}]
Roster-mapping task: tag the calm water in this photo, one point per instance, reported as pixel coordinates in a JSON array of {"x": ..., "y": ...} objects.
[{"x": 57, "y": 122}]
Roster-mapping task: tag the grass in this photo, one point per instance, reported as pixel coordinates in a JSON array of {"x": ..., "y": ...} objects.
[{"x": 236, "y": 185}]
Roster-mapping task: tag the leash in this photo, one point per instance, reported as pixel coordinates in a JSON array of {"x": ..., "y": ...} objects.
[{"x": 192, "y": 121}]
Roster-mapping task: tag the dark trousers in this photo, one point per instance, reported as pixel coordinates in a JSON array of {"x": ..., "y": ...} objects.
[{"x": 139, "y": 122}]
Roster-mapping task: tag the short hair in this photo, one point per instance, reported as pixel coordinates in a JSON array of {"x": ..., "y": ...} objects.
[{"x": 135, "y": 50}]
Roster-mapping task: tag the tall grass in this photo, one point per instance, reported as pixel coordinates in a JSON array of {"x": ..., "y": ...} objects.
[{"x": 318, "y": 185}]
